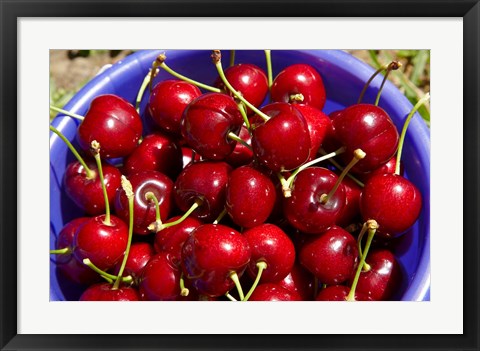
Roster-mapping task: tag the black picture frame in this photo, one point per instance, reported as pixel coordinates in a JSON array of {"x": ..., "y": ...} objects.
[{"x": 11, "y": 10}]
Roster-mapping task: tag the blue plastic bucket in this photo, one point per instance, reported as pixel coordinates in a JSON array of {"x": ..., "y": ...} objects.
[{"x": 344, "y": 77}]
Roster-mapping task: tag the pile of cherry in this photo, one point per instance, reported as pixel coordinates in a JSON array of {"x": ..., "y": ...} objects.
[{"x": 231, "y": 198}]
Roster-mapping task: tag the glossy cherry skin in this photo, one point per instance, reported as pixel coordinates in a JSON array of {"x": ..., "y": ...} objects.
[
  {"x": 65, "y": 238},
  {"x": 304, "y": 209},
  {"x": 103, "y": 244},
  {"x": 104, "y": 292},
  {"x": 367, "y": 127},
  {"x": 270, "y": 244},
  {"x": 168, "y": 101},
  {"x": 319, "y": 125},
  {"x": 171, "y": 239},
  {"x": 339, "y": 293},
  {"x": 393, "y": 201},
  {"x": 206, "y": 181},
  {"x": 86, "y": 193},
  {"x": 388, "y": 167},
  {"x": 114, "y": 123},
  {"x": 331, "y": 256},
  {"x": 351, "y": 210},
  {"x": 206, "y": 123},
  {"x": 383, "y": 279},
  {"x": 144, "y": 212},
  {"x": 241, "y": 155},
  {"x": 157, "y": 152},
  {"x": 209, "y": 256},
  {"x": 273, "y": 292},
  {"x": 160, "y": 280},
  {"x": 299, "y": 79},
  {"x": 139, "y": 255},
  {"x": 247, "y": 79},
  {"x": 189, "y": 155},
  {"x": 250, "y": 196},
  {"x": 299, "y": 280},
  {"x": 283, "y": 142}
]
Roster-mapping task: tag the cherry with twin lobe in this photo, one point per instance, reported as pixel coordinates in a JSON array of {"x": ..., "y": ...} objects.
[
  {"x": 114, "y": 123},
  {"x": 207, "y": 122},
  {"x": 299, "y": 79},
  {"x": 168, "y": 101}
]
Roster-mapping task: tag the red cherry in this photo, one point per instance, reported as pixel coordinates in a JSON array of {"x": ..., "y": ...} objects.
[
  {"x": 104, "y": 292},
  {"x": 331, "y": 256},
  {"x": 157, "y": 152},
  {"x": 299, "y": 79},
  {"x": 189, "y": 155},
  {"x": 304, "y": 209},
  {"x": 388, "y": 167},
  {"x": 351, "y": 210},
  {"x": 247, "y": 79},
  {"x": 273, "y": 292},
  {"x": 250, "y": 196},
  {"x": 139, "y": 255},
  {"x": 300, "y": 281},
  {"x": 144, "y": 212},
  {"x": 160, "y": 280},
  {"x": 104, "y": 244},
  {"x": 270, "y": 244},
  {"x": 205, "y": 181},
  {"x": 206, "y": 123},
  {"x": 393, "y": 201},
  {"x": 114, "y": 123},
  {"x": 168, "y": 101},
  {"x": 241, "y": 155},
  {"x": 339, "y": 293},
  {"x": 210, "y": 255},
  {"x": 87, "y": 193},
  {"x": 283, "y": 142},
  {"x": 369, "y": 128}
]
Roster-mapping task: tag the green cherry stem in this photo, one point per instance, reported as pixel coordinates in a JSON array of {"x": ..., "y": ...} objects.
[
  {"x": 235, "y": 137},
  {"x": 198, "y": 202},
  {"x": 67, "y": 113},
  {"x": 89, "y": 173},
  {"x": 372, "y": 227},
  {"x": 220, "y": 216},
  {"x": 236, "y": 280},
  {"x": 183, "y": 290},
  {"x": 143, "y": 87},
  {"x": 232, "y": 58},
  {"x": 155, "y": 226},
  {"x": 127, "y": 187},
  {"x": 358, "y": 155},
  {"x": 161, "y": 63},
  {"x": 394, "y": 65},
  {"x": 230, "y": 297},
  {"x": 366, "y": 266},
  {"x": 107, "y": 276},
  {"x": 243, "y": 112},
  {"x": 338, "y": 166},
  {"x": 268, "y": 57},
  {"x": 261, "y": 265},
  {"x": 95, "y": 149},
  {"x": 217, "y": 60},
  {"x": 64, "y": 251},
  {"x": 420, "y": 102}
]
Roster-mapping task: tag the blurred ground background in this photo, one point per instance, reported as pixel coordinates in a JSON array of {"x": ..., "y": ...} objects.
[{"x": 71, "y": 69}]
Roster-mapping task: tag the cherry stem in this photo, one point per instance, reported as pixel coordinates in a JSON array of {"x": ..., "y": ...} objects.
[
  {"x": 217, "y": 60},
  {"x": 235, "y": 137},
  {"x": 183, "y": 290},
  {"x": 127, "y": 187},
  {"x": 146, "y": 82},
  {"x": 268, "y": 57},
  {"x": 243, "y": 112},
  {"x": 198, "y": 202},
  {"x": 89, "y": 173},
  {"x": 394, "y": 65},
  {"x": 220, "y": 216},
  {"x": 161, "y": 63},
  {"x": 232, "y": 58},
  {"x": 420, "y": 102},
  {"x": 372, "y": 227},
  {"x": 366, "y": 266},
  {"x": 337, "y": 165},
  {"x": 290, "y": 179},
  {"x": 230, "y": 297},
  {"x": 64, "y": 251},
  {"x": 261, "y": 265},
  {"x": 95, "y": 149},
  {"x": 67, "y": 113},
  {"x": 236, "y": 280},
  {"x": 367, "y": 84},
  {"x": 155, "y": 226},
  {"x": 107, "y": 276},
  {"x": 358, "y": 155}
]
